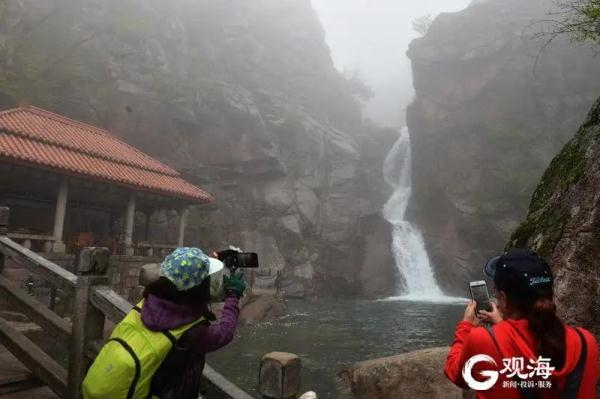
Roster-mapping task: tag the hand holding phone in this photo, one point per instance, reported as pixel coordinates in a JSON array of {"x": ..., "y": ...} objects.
[{"x": 480, "y": 295}]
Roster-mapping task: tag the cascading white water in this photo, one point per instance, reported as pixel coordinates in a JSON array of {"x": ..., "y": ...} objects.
[{"x": 407, "y": 244}]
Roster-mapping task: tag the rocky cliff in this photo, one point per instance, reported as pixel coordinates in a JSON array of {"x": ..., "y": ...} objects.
[
  {"x": 488, "y": 116},
  {"x": 563, "y": 224},
  {"x": 243, "y": 98}
]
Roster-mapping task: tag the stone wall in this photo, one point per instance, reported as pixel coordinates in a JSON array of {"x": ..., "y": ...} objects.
[{"x": 124, "y": 274}]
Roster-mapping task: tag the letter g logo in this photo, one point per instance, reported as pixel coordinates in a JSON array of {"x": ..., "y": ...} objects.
[{"x": 491, "y": 374}]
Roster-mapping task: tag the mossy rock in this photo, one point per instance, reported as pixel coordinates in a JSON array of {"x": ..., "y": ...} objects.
[{"x": 548, "y": 213}]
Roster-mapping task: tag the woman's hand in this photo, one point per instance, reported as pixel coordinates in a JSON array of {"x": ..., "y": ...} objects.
[
  {"x": 492, "y": 317},
  {"x": 234, "y": 285},
  {"x": 471, "y": 313}
]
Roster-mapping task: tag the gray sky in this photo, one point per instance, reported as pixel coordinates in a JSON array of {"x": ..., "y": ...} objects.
[{"x": 373, "y": 36}]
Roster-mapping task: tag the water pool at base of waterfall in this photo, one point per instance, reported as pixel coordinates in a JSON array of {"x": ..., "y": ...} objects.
[{"x": 331, "y": 334}]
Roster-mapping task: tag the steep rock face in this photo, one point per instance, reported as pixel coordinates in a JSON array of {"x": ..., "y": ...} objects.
[
  {"x": 563, "y": 224},
  {"x": 486, "y": 120},
  {"x": 243, "y": 98}
]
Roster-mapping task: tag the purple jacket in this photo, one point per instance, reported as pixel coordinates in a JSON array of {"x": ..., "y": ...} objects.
[
  {"x": 179, "y": 375},
  {"x": 159, "y": 315}
]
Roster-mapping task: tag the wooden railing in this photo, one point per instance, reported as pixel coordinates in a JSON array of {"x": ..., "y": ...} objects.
[{"x": 93, "y": 302}]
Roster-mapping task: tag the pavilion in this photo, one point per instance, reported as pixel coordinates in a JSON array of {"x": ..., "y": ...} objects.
[{"x": 70, "y": 184}]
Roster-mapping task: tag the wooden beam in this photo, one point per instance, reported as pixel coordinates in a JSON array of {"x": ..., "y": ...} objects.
[
  {"x": 35, "y": 310},
  {"x": 36, "y": 360},
  {"x": 114, "y": 306},
  {"x": 36, "y": 264}
]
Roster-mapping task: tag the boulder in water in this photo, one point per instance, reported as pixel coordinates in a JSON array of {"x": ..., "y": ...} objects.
[
  {"x": 262, "y": 308},
  {"x": 417, "y": 374}
]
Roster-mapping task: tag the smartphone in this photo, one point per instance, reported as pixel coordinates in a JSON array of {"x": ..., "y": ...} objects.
[
  {"x": 242, "y": 260},
  {"x": 479, "y": 293}
]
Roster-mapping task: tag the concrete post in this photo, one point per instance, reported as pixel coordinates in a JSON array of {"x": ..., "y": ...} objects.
[
  {"x": 183, "y": 214},
  {"x": 87, "y": 321},
  {"x": 4, "y": 213},
  {"x": 59, "y": 216},
  {"x": 94, "y": 260},
  {"x": 129, "y": 218},
  {"x": 279, "y": 375},
  {"x": 149, "y": 273}
]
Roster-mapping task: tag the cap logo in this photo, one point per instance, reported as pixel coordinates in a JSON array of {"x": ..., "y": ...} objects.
[{"x": 539, "y": 280}]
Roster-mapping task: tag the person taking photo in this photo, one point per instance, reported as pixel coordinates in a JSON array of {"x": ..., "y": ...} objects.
[
  {"x": 525, "y": 351},
  {"x": 158, "y": 350}
]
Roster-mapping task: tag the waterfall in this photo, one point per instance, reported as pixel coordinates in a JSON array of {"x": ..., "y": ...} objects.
[{"x": 407, "y": 243}]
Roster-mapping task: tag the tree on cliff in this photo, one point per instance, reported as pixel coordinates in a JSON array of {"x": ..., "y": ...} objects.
[
  {"x": 580, "y": 19},
  {"x": 355, "y": 83},
  {"x": 422, "y": 24}
]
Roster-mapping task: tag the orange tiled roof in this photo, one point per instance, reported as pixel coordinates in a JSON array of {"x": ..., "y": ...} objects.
[{"x": 40, "y": 138}]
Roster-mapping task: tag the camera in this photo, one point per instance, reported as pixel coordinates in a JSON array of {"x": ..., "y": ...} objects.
[{"x": 233, "y": 259}]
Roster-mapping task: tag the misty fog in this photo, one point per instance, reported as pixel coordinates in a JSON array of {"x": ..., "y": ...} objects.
[
  {"x": 139, "y": 136},
  {"x": 372, "y": 36}
]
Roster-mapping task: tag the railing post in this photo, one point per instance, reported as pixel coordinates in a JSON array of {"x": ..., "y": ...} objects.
[
  {"x": 4, "y": 215},
  {"x": 88, "y": 322},
  {"x": 279, "y": 375}
]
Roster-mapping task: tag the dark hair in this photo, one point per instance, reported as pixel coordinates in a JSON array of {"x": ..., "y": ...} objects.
[
  {"x": 538, "y": 308},
  {"x": 163, "y": 288}
]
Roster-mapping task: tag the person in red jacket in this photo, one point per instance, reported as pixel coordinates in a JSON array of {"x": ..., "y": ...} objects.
[{"x": 525, "y": 351}]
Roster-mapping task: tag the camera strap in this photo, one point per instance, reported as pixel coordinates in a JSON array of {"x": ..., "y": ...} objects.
[{"x": 576, "y": 376}]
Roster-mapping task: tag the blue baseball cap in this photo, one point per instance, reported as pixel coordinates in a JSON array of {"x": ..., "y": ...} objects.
[
  {"x": 519, "y": 270},
  {"x": 187, "y": 267}
]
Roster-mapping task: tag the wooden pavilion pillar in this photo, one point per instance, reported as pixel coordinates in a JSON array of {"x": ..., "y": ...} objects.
[
  {"x": 129, "y": 219},
  {"x": 62, "y": 197},
  {"x": 183, "y": 214}
]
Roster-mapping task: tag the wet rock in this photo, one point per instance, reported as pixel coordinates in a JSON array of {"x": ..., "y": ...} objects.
[
  {"x": 563, "y": 225},
  {"x": 292, "y": 288},
  {"x": 262, "y": 308},
  {"x": 417, "y": 374}
]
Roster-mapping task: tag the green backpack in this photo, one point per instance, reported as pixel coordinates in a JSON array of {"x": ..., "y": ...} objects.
[{"x": 126, "y": 363}]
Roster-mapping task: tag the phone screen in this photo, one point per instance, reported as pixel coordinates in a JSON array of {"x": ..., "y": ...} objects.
[
  {"x": 481, "y": 297},
  {"x": 247, "y": 260}
]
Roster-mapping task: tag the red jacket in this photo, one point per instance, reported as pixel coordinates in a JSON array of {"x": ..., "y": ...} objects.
[{"x": 515, "y": 340}]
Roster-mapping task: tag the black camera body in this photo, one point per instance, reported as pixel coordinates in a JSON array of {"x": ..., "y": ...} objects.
[{"x": 234, "y": 259}]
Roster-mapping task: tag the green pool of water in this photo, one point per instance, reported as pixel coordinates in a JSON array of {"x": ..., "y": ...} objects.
[{"x": 329, "y": 335}]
